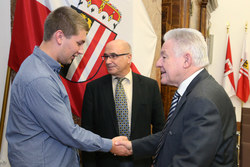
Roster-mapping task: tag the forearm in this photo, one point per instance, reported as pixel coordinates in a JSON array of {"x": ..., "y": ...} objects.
[{"x": 145, "y": 147}]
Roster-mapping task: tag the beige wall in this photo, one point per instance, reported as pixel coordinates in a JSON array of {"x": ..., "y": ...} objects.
[{"x": 154, "y": 11}]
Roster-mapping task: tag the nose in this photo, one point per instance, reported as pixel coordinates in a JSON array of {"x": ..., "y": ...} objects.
[
  {"x": 158, "y": 63},
  {"x": 108, "y": 60}
]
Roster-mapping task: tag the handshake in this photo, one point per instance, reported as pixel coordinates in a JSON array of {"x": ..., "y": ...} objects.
[{"x": 121, "y": 146}]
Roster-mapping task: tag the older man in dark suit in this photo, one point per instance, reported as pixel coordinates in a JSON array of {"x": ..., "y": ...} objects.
[
  {"x": 143, "y": 112},
  {"x": 201, "y": 128}
]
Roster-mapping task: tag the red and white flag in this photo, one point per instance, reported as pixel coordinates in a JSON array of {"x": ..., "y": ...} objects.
[
  {"x": 228, "y": 80},
  {"x": 243, "y": 82},
  {"x": 108, "y": 20}
]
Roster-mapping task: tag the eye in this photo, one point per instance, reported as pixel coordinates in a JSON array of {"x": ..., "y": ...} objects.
[
  {"x": 113, "y": 55},
  {"x": 79, "y": 43},
  {"x": 164, "y": 56}
]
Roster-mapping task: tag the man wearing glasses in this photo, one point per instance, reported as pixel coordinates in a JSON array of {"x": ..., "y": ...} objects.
[{"x": 121, "y": 103}]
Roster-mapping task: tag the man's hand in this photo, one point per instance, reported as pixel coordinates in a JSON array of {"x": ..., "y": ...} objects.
[
  {"x": 119, "y": 149},
  {"x": 125, "y": 143}
]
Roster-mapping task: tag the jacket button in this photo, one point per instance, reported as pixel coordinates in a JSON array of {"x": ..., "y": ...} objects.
[{"x": 170, "y": 133}]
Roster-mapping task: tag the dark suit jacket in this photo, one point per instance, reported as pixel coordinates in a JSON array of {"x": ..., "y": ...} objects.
[
  {"x": 202, "y": 131},
  {"x": 99, "y": 116}
]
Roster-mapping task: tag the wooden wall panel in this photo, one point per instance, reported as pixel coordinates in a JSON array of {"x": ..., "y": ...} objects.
[
  {"x": 203, "y": 18},
  {"x": 175, "y": 14},
  {"x": 245, "y": 138}
]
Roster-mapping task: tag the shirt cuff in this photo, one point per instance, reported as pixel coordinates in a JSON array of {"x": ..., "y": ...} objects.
[{"x": 107, "y": 145}]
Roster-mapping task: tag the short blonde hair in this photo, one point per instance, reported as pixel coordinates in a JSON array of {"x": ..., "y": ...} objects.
[{"x": 66, "y": 19}]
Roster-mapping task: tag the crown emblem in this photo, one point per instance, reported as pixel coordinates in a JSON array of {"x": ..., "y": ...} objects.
[{"x": 103, "y": 11}]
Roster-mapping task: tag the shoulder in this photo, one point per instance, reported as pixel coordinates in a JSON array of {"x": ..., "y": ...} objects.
[
  {"x": 208, "y": 92},
  {"x": 102, "y": 80},
  {"x": 32, "y": 69},
  {"x": 144, "y": 79}
]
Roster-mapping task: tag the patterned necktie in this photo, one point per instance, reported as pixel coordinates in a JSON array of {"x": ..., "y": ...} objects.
[
  {"x": 121, "y": 107},
  {"x": 174, "y": 102}
]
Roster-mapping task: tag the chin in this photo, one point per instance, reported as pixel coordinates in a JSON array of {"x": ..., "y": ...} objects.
[
  {"x": 164, "y": 81},
  {"x": 112, "y": 72},
  {"x": 70, "y": 61}
]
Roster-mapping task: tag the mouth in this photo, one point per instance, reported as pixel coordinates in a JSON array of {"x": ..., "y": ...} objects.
[
  {"x": 73, "y": 57},
  {"x": 163, "y": 72},
  {"x": 110, "y": 67}
]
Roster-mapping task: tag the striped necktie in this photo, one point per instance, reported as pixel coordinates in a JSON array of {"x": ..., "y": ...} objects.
[
  {"x": 121, "y": 107},
  {"x": 174, "y": 102}
]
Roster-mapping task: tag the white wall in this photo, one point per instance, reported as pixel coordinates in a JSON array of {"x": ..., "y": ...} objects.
[
  {"x": 5, "y": 36},
  {"x": 236, "y": 13}
]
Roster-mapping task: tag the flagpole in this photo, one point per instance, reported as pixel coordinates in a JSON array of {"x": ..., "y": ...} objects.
[
  {"x": 239, "y": 128},
  {"x": 5, "y": 100},
  {"x": 246, "y": 27},
  {"x": 228, "y": 25}
]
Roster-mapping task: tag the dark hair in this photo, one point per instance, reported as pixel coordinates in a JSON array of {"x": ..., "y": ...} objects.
[{"x": 66, "y": 19}]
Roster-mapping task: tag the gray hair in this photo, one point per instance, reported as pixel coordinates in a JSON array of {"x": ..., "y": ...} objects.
[{"x": 191, "y": 40}]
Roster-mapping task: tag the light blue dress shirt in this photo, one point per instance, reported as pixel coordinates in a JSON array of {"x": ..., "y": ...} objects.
[{"x": 40, "y": 130}]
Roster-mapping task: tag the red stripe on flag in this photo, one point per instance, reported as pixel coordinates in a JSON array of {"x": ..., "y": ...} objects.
[
  {"x": 244, "y": 72},
  {"x": 229, "y": 56},
  {"x": 243, "y": 82},
  {"x": 76, "y": 90},
  {"x": 27, "y": 30},
  {"x": 243, "y": 88},
  {"x": 228, "y": 80},
  {"x": 88, "y": 53},
  {"x": 134, "y": 69},
  {"x": 103, "y": 69}
]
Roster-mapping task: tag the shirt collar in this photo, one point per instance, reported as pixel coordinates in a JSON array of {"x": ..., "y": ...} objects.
[
  {"x": 128, "y": 76},
  {"x": 47, "y": 59},
  {"x": 183, "y": 86}
]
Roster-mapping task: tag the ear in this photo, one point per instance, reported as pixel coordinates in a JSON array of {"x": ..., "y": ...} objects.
[
  {"x": 129, "y": 58},
  {"x": 59, "y": 35},
  {"x": 187, "y": 60}
]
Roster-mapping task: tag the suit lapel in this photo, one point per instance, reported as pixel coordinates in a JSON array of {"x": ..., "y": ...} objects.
[
  {"x": 136, "y": 99},
  {"x": 203, "y": 74},
  {"x": 177, "y": 110},
  {"x": 109, "y": 101}
]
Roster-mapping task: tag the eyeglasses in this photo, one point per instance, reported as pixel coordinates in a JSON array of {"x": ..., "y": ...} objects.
[{"x": 112, "y": 56}]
